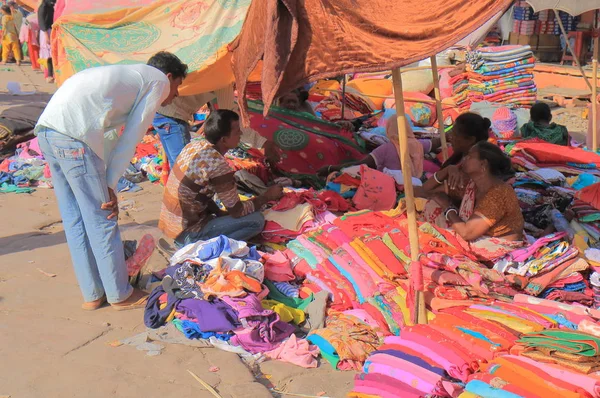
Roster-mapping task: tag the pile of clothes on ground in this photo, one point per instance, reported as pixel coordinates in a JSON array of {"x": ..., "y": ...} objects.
[
  {"x": 150, "y": 159},
  {"x": 501, "y": 74},
  {"x": 238, "y": 299},
  {"x": 25, "y": 170}
]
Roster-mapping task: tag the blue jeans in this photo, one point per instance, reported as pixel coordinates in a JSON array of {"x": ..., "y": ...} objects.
[
  {"x": 174, "y": 135},
  {"x": 79, "y": 178},
  {"x": 242, "y": 228}
]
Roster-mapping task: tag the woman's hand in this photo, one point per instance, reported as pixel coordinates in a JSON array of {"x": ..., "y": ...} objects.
[
  {"x": 346, "y": 125},
  {"x": 272, "y": 153},
  {"x": 455, "y": 178}
]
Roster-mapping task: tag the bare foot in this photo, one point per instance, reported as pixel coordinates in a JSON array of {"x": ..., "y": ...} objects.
[{"x": 49, "y": 80}]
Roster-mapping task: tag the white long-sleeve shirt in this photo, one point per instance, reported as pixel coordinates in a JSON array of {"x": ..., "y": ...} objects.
[{"x": 93, "y": 102}]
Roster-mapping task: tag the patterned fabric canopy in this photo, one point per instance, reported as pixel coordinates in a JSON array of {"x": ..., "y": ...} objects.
[
  {"x": 68, "y": 7},
  {"x": 198, "y": 32}
]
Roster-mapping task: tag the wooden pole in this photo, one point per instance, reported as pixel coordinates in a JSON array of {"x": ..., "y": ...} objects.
[
  {"x": 438, "y": 100},
  {"x": 562, "y": 29},
  {"x": 413, "y": 232},
  {"x": 595, "y": 96},
  {"x": 343, "y": 97}
]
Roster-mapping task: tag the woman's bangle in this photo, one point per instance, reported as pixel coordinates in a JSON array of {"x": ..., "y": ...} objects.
[
  {"x": 436, "y": 178},
  {"x": 448, "y": 211}
]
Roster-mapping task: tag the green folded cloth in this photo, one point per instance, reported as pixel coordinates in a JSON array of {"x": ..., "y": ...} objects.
[{"x": 564, "y": 341}]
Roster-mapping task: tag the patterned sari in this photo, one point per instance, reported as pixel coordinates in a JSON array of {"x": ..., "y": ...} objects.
[{"x": 484, "y": 248}]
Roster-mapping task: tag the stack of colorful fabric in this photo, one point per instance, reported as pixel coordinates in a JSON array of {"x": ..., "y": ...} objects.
[
  {"x": 460, "y": 91},
  {"x": 502, "y": 74},
  {"x": 299, "y": 211},
  {"x": 569, "y": 22},
  {"x": 150, "y": 158},
  {"x": 571, "y": 161}
]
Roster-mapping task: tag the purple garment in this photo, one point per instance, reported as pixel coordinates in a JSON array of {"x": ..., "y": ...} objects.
[
  {"x": 212, "y": 316},
  {"x": 386, "y": 156},
  {"x": 263, "y": 330}
]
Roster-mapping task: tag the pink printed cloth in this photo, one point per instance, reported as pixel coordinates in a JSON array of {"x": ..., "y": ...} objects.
[{"x": 296, "y": 351}]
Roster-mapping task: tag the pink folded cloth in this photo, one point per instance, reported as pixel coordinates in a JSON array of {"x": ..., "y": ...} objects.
[{"x": 296, "y": 351}]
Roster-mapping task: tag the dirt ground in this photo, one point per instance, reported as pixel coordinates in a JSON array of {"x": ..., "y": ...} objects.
[{"x": 49, "y": 347}]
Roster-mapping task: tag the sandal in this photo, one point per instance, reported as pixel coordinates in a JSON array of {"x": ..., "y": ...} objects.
[
  {"x": 137, "y": 300},
  {"x": 94, "y": 305}
]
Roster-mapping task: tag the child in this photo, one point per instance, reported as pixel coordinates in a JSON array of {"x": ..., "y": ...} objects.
[
  {"x": 10, "y": 36},
  {"x": 540, "y": 126}
]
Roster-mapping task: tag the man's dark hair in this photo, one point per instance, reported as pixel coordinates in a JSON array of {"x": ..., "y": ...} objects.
[
  {"x": 169, "y": 63},
  {"x": 6, "y": 9},
  {"x": 218, "y": 125},
  {"x": 540, "y": 112},
  {"x": 12, "y": 4}
]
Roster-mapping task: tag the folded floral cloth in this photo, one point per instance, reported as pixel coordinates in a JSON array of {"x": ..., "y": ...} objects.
[{"x": 564, "y": 341}]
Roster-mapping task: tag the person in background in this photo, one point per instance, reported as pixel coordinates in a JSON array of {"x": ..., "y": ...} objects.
[
  {"x": 16, "y": 13},
  {"x": 45, "y": 21},
  {"x": 296, "y": 101},
  {"x": 86, "y": 164},
  {"x": 386, "y": 155},
  {"x": 30, "y": 32},
  {"x": 172, "y": 125},
  {"x": 189, "y": 213},
  {"x": 540, "y": 126},
  {"x": 10, "y": 37}
]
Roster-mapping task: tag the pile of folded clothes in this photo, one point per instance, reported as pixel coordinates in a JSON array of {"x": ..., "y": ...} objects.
[
  {"x": 502, "y": 74},
  {"x": 25, "y": 170}
]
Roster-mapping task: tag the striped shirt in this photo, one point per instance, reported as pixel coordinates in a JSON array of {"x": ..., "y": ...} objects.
[{"x": 199, "y": 174}]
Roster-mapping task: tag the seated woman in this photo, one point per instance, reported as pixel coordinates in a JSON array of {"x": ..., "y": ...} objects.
[
  {"x": 189, "y": 213},
  {"x": 540, "y": 126},
  {"x": 489, "y": 208},
  {"x": 469, "y": 129},
  {"x": 297, "y": 101},
  {"x": 386, "y": 155}
]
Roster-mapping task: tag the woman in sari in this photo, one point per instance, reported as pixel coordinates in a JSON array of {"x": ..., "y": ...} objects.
[{"x": 489, "y": 218}]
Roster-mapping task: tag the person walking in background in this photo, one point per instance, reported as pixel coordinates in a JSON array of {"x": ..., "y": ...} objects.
[
  {"x": 10, "y": 37},
  {"x": 86, "y": 164},
  {"x": 29, "y": 34},
  {"x": 45, "y": 21}
]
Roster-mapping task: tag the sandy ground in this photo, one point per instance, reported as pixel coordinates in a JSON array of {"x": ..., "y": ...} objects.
[{"x": 49, "y": 347}]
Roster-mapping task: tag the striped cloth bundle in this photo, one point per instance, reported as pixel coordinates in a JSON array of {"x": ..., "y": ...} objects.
[{"x": 497, "y": 74}]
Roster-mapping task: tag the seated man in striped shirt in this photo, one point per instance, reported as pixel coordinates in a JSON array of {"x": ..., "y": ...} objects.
[{"x": 189, "y": 213}]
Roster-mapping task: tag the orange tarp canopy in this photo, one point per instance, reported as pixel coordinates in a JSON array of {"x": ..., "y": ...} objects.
[{"x": 306, "y": 40}]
